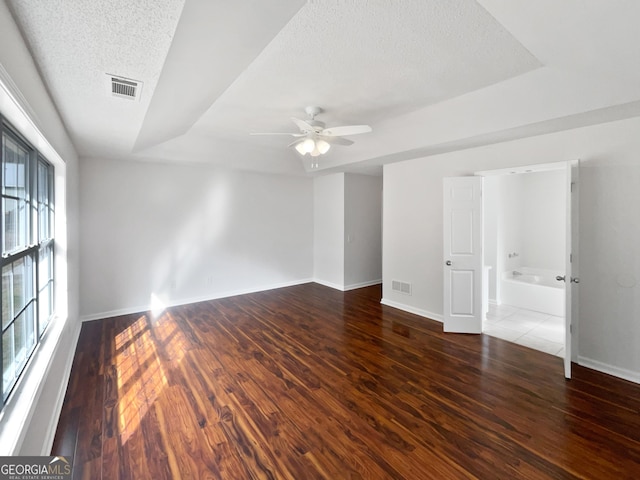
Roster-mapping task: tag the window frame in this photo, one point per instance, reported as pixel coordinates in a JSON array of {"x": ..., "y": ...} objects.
[{"x": 35, "y": 243}]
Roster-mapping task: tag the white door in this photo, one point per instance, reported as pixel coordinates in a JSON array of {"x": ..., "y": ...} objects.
[
  {"x": 571, "y": 269},
  {"x": 463, "y": 254}
]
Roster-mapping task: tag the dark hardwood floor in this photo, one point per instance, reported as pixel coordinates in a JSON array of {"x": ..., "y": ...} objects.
[{"x": 309, "y": 382}]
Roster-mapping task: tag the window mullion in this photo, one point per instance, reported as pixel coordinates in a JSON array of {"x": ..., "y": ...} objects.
[
  {"x": 36, "y": 294},
  {"x": 22, "y": 310}
]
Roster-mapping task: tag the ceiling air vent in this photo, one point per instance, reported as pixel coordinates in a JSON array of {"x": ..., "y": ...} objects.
[{"x": 124, "y": 87}]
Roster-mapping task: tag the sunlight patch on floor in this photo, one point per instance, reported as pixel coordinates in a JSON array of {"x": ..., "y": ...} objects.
[{"x": 140, "y": 376}]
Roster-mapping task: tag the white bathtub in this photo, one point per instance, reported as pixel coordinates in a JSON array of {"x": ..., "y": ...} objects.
[{"x": 536, "y": 289}]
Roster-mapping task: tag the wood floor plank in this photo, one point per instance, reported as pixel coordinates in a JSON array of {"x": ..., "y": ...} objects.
[{"x": 310, "y": 382}]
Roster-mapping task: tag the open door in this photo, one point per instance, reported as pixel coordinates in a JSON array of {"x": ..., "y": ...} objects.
[
  {"x": 463, "y": 254},
  {"x": 571, "y": 269}
]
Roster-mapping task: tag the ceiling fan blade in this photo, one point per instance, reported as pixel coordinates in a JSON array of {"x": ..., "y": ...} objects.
[
  {"x": 345, "y": 130},
  {"x": 339, "y": 141},
  {"x": 302, "y": 125},
  {"x": 280, "y": 133}
]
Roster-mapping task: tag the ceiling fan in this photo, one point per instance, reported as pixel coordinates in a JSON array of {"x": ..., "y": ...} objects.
[{"x": 315, "y": 139}]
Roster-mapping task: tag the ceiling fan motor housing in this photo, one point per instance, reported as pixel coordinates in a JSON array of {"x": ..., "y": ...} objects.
[
  {"x": 312, "y": 111},
  {"x": 317, "y": 125},
  {"x": 314, "y": 138}
]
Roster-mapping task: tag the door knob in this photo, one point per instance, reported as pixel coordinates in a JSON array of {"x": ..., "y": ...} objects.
[
  {"x": 448, "y": 262},
  {"x": 560, "y": 278},
  {"x": 575, "y": 280}
]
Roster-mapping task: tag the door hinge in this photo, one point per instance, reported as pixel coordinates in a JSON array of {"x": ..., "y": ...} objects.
[
  {"x": 571, "y": 258},
  {"x": 570, "y": 328},
  {"x": 572, "y": 184}
]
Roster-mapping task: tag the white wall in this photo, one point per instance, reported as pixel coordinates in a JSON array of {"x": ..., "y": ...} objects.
[
  {"x": 328, "y": 230},
  {"x": 609, "y": 326},
  {"x": 30, "y": 417},
  {"x": 511, "y": 222},
  {"x": 504, "y": 228},
  {"x": 363, "y": 230},
  {"x": 347, "y": 230},
  {"x": 544, "y": 219},
  {"x": 609, "y": 237},
  {"x": 186, "y": 233},
  {"x": 492, "y": 239}
]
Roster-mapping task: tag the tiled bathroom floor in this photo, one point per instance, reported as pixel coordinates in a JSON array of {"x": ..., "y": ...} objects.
[{"x": 536, "y": 330}]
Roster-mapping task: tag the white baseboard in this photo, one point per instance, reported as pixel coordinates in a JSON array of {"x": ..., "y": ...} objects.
[
  {"x": 47, "y": 443},
  {"x": 623, "y": 373},
  {"x": 186, "y": 301},
  {"x": 417, "y": 311},
  {"x": 114, "y": 313},
  {"x": 355, "y": 286},
  {"x": 335, "y": 286},
  {"x": 346, "y": 288}
]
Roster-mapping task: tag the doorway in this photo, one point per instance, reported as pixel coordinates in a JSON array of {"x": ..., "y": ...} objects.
[{"x": 525, "y": 249}]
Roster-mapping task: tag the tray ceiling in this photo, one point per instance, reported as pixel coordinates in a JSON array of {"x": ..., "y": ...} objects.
[{"x": 423, "y": 73}]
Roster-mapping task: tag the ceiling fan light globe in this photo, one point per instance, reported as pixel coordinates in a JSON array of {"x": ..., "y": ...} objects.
[
  {"x": 323, "y": 146},
  {"x": 315, "y": 152},
  {"x": 309, "y": 145},
  {"x": 301, "y": 148}
]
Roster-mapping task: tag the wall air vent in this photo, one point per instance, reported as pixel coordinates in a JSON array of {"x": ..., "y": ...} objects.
[
  {"x": 402, "y": 287},
  {"x": 122, "y": 87}
]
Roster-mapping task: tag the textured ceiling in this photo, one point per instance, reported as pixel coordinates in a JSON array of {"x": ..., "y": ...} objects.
[
  {"x": 213, "y": 44},
  {"x": 76, "y": 43},
  {"x": 367, "y": 61},
  {"x": 427, "y": 75}
]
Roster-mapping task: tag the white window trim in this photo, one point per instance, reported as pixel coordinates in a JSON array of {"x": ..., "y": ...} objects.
[
  {"x": 22, "y": 402},
  {"x": 15, "y": 418}
]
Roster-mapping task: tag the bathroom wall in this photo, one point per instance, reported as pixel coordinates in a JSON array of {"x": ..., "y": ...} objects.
[
  {"x": 544, "y": 220},
  {"x": 503, "y": 227},
  {"x": 492, "y": 241},
  {"x": 524, "y": 214},
  {"x": 511, "y": 219}
]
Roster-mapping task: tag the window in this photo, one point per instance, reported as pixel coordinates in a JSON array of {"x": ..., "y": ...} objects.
[{"x": 27, "y": 253}]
